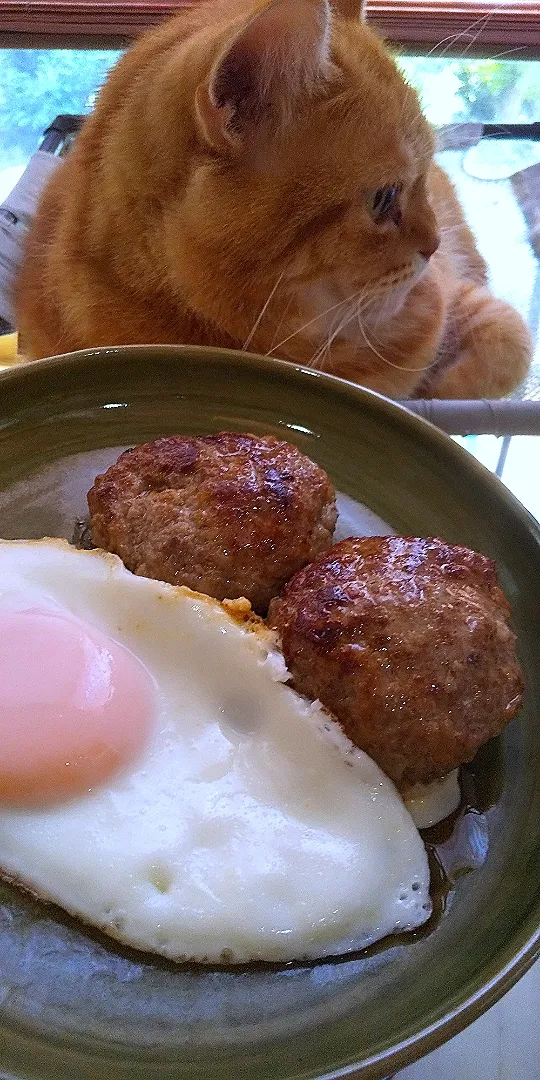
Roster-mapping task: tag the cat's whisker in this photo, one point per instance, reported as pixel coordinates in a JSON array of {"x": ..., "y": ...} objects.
[
  {"x": 477, "y": 35},
  {"x": 370, "y": 345},
  {"x": 397, "y": 352},
  {"x": 278, "y": 326},
  {"x": 262, "y": 312},
  {"x": 317, "y": 360},
  {"x": 311, "y": 322},
  {"x": 323, "y": 353},
  {"x": 506, "y": 52},
  {"x": 451, "y": 39}
]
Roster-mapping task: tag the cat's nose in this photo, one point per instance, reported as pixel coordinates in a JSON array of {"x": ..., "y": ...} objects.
[
  {"x": 424, "y": 231},
  {"x": 429, "y": 246}
]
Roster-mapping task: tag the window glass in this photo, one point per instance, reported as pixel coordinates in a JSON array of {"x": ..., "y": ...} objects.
[
  {"x": 493, "y": 90},
  {"x": 36, "y": 85}
]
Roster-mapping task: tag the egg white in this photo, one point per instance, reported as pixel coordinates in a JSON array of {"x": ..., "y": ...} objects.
[{"x": 250, "y": 828}]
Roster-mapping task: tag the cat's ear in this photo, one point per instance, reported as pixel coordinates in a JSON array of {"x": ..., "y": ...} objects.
[
  {"x": 349, "y": 9},
  {"x": 278, "y": 57}
]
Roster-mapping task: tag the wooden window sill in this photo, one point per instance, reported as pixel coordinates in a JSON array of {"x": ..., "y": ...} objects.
[{"x": 457, "y": 26}]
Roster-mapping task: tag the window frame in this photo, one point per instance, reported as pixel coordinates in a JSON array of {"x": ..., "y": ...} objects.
[{"x": 454, "y": 27}]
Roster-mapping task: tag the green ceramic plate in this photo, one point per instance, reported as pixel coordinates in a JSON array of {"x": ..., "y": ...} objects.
[{"x": 73, "y": 1007}]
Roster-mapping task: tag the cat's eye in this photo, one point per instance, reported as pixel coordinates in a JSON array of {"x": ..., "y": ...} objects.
[{"x": 383, "y": 202}]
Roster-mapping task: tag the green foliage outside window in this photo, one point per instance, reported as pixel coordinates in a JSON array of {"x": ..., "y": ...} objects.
[
  {"x": 485, "y": 90},
  {"x": 37, "y": 85}
]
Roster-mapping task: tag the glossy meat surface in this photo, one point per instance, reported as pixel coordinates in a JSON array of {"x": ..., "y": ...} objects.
[
  {"x": 407, "y": 641},
  {"x": 229, "y": 515}
]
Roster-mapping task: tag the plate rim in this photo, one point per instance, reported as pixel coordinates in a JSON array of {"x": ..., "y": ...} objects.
[
  {"x": 523, "y": 948},
  {"x": 103, "y": 355}
]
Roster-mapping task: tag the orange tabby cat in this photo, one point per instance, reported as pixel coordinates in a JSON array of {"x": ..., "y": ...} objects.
[{"x": 259, "y": 175}]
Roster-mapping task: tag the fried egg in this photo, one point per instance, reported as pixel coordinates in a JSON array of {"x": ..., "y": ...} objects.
[{"x": 230, "y": 819}]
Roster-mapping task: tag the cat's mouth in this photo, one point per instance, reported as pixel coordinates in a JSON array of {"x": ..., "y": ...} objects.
[
  {"x": 344, "y": 315},
  {"x": 399, "y": 278},
  {"x": 392, "y": 292}
]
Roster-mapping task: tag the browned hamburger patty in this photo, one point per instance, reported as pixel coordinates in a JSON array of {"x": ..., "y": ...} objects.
[
  {"x": 408, "y": 643},
  {"x": 228, "y": 515}
]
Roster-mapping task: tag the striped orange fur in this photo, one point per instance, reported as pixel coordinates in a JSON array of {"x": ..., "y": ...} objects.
[{"x": 259, "y": 175}]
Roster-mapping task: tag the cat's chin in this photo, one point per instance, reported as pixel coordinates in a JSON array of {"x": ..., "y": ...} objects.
[
  {"x": 391, "y": 303},
  {"x": 395, "y": 292},
  {"x": 377, "y": 303}
]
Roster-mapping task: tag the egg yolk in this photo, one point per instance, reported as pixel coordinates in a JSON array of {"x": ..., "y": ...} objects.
[{"x": 75, "y": 707}]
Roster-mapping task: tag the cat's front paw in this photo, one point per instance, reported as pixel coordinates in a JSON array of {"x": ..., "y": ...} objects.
[{"x": 493, "y": 349}]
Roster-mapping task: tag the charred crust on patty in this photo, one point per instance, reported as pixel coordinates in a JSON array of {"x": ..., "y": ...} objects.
[
  {"x": 407, "y": 642},
  {"x": 226, "y": 514}
]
